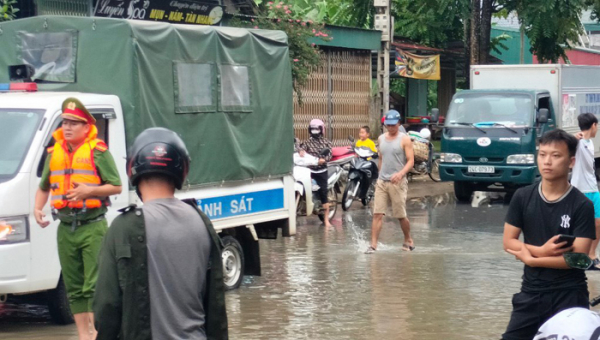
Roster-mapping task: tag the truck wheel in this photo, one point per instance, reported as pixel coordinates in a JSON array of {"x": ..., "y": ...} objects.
[
  {"x": 58, "y": 304},
  {"x": 233, "y": 263},
  {"x": 463, "y": 191}
]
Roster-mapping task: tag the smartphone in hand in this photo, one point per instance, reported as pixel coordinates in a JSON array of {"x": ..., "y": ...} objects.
[{"x": 568, "y": 238}]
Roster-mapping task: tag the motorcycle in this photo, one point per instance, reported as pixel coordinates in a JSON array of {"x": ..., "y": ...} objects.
[
  {"x": 429, "y": 165},
  {"x": 342, "y": 155},
  {"x": 361, "y": 178},
  {"x": 307, "y": 200}
]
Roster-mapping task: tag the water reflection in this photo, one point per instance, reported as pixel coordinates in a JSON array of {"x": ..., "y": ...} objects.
[{"x": 457, "y": 284}]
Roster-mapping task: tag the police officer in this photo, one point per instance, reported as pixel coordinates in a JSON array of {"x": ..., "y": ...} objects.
[
  {"x": 79, "y": 175},
  {"x": 161, "y": 272}
]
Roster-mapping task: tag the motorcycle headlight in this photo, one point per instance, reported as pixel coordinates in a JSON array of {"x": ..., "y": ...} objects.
[
  {"x": 14, "y": 229},
  {"x": 520, "y": 159},
  {"x": 450, "y": 158}
]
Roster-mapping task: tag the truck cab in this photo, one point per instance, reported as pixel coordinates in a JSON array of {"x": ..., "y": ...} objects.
[
  {"x": 490, "y": 139},
  {"x": 491, "y": 133},
  {"x": 27, "y": 120}
]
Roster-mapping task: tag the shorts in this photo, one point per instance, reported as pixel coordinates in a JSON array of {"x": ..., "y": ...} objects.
[
  {"x": 595, "y": 198},
  {"x": 321, "y": 179},
  {"x": 388, "y": 194},
  {"x": 531, "y": 310}
]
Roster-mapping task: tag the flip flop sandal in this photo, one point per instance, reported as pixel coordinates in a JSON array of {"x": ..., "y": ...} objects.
[
  {"x": 407, "y": 247},
  {"x": 370, "y": 250}
]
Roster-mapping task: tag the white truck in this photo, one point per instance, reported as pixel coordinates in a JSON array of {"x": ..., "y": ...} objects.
[
  {"x": 491, "y": 133},
  {"x": 226, "y": 91}
]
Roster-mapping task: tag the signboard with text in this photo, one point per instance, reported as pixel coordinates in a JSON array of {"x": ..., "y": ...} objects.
[
  {"x": 242, "y": 204},
  {"x": 175, "y": 11}
]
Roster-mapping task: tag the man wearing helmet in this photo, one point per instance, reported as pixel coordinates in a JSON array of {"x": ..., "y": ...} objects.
[
  {"x": 160, "y": 273},
  {"x": 319, "y": 147},
  {"x": 396, "y": 159},
  {"x": 79, "y": 175}
]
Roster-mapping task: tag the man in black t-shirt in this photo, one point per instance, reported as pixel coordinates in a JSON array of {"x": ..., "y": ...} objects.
[{"x": 542, "y": 212}]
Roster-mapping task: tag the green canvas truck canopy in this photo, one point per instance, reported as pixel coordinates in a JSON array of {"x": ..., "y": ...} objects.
[{"x": 226, "y": 91}]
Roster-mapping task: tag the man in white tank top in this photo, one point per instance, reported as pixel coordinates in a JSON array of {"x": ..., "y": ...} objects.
[{"x": 396, "y": 159}]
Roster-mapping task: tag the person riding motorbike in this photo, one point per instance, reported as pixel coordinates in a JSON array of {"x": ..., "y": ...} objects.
[{"x": 315, "y": 146}]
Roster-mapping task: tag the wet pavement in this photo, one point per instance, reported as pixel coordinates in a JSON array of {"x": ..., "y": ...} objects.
[{"x": 457, "y": 284}]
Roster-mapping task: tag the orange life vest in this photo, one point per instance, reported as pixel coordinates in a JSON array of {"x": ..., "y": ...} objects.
[{"x": 67, "y": 168}]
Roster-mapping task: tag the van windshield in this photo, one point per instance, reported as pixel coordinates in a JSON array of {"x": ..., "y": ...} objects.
[
  {"x": 17, "y": 128},
  {"x": 491, "y": 110}
]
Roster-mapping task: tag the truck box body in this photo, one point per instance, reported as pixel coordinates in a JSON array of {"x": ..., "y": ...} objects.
[
  {"x": 492, "y": 131},
  {"x": 156, "y": 69}
]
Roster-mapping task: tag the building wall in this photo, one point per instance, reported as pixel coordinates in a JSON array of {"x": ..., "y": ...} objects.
[{"x": 580, "y": 57}]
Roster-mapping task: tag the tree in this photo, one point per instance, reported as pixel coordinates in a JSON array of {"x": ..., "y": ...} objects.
[
  {"x": 304, "y": 56},
  {"x": 354, "y": 13},
  {"x": 550, "y": 25},
  {"x": 430, "y": 22}
]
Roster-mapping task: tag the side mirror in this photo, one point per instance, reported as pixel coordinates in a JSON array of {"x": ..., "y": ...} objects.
[
  {"x": 542, "y": 117},
  {"x": 435, "y": 115},
  {"x": 325, "y": 153},
  {"x": 351, "y": 139}
]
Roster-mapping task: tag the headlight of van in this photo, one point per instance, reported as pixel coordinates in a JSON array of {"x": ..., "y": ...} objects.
[
  {"x": 520, "y": 159},
  {"x": 13, "y": 229},
  {"x": 450, "y": 158}
]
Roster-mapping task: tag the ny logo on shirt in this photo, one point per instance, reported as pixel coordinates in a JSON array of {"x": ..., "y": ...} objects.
[{"x": 565, "y": 223}]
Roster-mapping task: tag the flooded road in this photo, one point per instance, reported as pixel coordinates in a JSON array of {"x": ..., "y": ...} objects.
[{"x": 457, "y": 284}]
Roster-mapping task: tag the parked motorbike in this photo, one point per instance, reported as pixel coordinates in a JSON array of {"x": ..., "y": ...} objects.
[
  {"x": 342, "y": 155},
  {"x": 307, "y": 200},
  {"x": 431, "y": 165},
  {"x": 361, "y": 178}
]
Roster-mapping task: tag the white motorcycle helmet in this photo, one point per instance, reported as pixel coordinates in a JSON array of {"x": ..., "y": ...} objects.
[
  {"x": 573, "y": 323},
  {"x": 425, "y": 133}
]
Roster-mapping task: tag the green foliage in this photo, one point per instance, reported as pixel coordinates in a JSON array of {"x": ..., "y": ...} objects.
[
  {"x": 7, "y": 10},
  {"x": 398, "y": 85},
  {"x": 304, "y": 56},
  {"x": 498, "y": 42},
  {"x": 432, "y": 94},
  {"x": 355, "y": 13},
  {"x": 550, "y": 25},
  {"x": 430, "y": 22}
]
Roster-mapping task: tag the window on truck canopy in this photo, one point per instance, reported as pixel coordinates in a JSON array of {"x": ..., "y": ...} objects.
[
  {"x": 17, "y": 129},
  {"x": 202, "y": 87},
  {"x": 53, "y": 55},
  {"x": 484, "y": 108}
]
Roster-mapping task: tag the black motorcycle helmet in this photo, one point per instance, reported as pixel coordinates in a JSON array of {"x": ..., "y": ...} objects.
[{"x": 158, "y": 151}]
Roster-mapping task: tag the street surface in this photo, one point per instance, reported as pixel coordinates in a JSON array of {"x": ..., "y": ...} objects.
[{"x": 457, "y": 284}]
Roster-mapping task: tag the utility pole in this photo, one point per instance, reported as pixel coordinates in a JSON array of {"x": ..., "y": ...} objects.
[{"x": 384, "y": 23}]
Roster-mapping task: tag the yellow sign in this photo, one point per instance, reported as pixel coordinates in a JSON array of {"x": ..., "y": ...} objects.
[{"x": 417, "y": 66}]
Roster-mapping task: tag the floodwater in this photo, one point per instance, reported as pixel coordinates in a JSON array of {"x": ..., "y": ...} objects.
[{"x": 457, "y": 284}]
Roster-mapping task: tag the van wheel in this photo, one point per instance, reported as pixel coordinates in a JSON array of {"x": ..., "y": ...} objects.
[
  {"x": 463, "y": 191},
  {"x": 233, "y": 263},
  {"x": 58, "y": 304}
]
